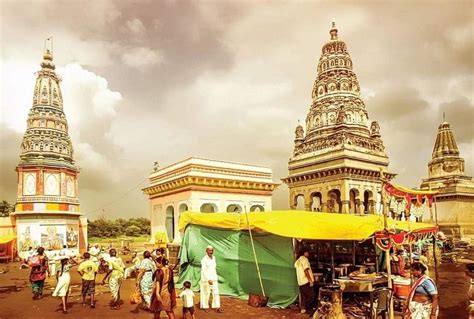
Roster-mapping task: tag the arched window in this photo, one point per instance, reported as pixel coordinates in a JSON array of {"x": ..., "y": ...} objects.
[
  {"x": 208, "y": 208},
  {"x": 257, "y": 208},
  {"x": 234, "y": 208}
]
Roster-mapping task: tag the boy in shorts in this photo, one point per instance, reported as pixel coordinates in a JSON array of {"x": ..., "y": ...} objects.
[
  {"x": 188, "y": 300},
  {"x": 88, "y": 269}
]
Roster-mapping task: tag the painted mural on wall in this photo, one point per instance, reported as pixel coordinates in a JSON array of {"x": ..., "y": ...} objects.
[
  {"x": 29, "y": 236},
  {"x": 72, "y": 236},
  {"x": 53, "y": 236}
]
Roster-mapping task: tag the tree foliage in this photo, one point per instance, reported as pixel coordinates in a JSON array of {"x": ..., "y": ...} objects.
[
  {"x": 105, "y": 228},
  {"x": 5, "y": 208}
]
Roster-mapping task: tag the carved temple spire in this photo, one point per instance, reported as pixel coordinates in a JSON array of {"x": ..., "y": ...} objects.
[
  {"x": 337, "y": 106},
  {"x": 46, "y": 139},
  {"x": 446, "y": 158}
]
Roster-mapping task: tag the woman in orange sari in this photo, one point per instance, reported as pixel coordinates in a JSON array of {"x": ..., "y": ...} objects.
[{"x": 164, "y": 295}]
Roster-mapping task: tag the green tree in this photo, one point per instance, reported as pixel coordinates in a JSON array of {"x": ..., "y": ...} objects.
[
  {"x": 5, "y": 208},
  {"x": 132, "y": 230}
]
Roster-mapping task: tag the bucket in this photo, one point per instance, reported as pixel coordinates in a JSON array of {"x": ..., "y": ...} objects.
[
  {"x": 257, "y": 300},
  {"x": 401, "y": 288}
]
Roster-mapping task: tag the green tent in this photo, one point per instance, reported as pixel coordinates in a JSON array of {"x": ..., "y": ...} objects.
[{"x": 236, "y": 264}]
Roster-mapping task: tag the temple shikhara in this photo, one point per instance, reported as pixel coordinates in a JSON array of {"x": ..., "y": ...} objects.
[
  {"x": 455, "y": 198},
  {"x": 337, "y": 160},
  {"x": 47, "y": 211}
]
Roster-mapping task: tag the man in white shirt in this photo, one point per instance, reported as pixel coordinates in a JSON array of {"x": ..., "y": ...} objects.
[
  {"x": 95, "y": 252},
  {"x": 305, "y": 278},
  {"x": 209, "y": 281}
]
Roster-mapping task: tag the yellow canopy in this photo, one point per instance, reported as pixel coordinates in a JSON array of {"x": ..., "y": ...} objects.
[
  {"x": 7, "y": 238},
  {"x": 302, "y": 224}
]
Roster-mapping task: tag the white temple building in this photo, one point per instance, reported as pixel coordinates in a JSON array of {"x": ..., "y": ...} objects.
[{"x": 204, "y": 185}]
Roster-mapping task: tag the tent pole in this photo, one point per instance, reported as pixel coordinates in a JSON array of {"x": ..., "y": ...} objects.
[
  {"x": 254, "y": 253},
  {"x": 354, "y": 253},
  {"x": 387, "y": 253},
  {"x": 376, "y": 256},
  {"x": 436, "y": 211},
  {"x": 332, "y": 261}
]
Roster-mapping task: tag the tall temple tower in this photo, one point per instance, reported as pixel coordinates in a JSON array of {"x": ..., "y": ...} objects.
[
  {"x": 455, "y": 199},
  {"x": 47, "y": 210},
  {"x": 336, "y": 162}
]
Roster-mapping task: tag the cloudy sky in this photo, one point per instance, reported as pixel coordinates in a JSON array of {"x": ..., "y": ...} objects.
[{"x": 147, "y": 81}]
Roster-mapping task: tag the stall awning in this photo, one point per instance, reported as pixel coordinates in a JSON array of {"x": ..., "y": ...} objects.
[
  {"x": 304, "y": 224},
  {"x": 7, "y": 238}
]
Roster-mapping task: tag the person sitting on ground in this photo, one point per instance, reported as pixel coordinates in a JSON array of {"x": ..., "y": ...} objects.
[
  {"x": 188, "y": 300},
  {"x": 88, "y": 270}
]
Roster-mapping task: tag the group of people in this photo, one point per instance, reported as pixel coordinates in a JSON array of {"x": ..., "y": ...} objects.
[
  {"x": 422, "y": 302},
  {"x": 154, "y": 280},
  {"x": 156, "y": 285}
]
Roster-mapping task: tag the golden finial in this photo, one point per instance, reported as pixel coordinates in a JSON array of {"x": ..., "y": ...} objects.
[{"x": 333, "y": 31}]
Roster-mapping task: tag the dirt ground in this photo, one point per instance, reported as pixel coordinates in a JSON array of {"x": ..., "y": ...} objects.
[{"x": 16, "y": 302}]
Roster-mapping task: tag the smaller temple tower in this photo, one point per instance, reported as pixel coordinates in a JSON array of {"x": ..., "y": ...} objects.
[
  {"x": 455, "y": 201},
  {"x": 47, "y": 208}
]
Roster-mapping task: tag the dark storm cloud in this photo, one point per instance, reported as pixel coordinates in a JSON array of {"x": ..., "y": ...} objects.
[
  {"x": 149, "y": 81},
  {"x": 9, "y": 156},
  {"x": 460, "y": 114}
]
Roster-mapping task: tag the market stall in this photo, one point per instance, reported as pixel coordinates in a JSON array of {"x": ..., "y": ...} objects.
[
  {"x": 276, "y": 234},
  {"x": 7, "y": 247}
]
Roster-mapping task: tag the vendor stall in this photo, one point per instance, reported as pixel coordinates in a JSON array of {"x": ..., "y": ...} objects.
[
  {"x": 7, "y": 247},
  {"x": 274, "y": 234}
]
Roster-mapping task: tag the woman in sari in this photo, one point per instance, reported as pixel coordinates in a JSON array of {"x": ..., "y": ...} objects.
[
  {"x": 145, "y": 278},
  {"x": 422, "y": 300},
  {"x": 164, "y": 295},
  {"x": 116, "y": 273},
  {"x": 39, "y": 269}
]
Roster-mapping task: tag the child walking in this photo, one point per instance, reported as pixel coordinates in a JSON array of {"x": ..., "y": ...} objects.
[{"x": 188, "y": 300}]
